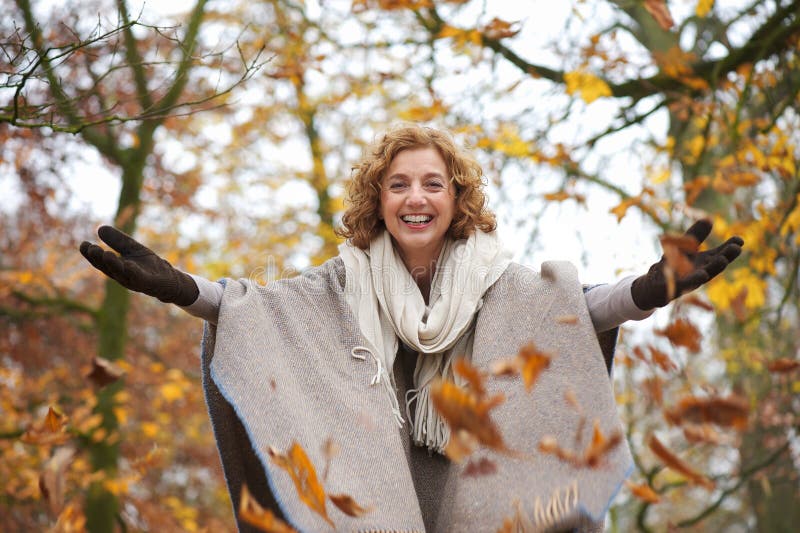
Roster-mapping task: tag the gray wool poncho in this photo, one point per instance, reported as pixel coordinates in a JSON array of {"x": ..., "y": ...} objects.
[{"x": 277, "y": 368}]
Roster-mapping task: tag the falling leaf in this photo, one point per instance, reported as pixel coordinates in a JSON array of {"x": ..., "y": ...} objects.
[
  {"x": 675, "y": 463},
  {"x": 51, "y": 480},
  {"x": 460, "y": 445},
  {"x": 658, "y": 9},
  {"x": 694, "y": 300},
  {"x": 467, "y": 410},
  {"x": 508, "y": 366},
  {"x": 652, "y": 387},
  {"x": 597, "y": 449},
  {"x": 533, "y": 362},
  {"x": 731, "y": 411},
  {"x": 104, "y": 372},
  {"x": 348, "y": 505},
  {"x": 681, "y": 332},
  {"x": 676, "y": 248},
  {"x": 644, "y": 492},
  {"x": 329, "y": 450},
  {"x": 572, "y": 400},
  {"x": 567, "y": 319},
  {"x": 783, "y": 365},
  {"x": 662, "y": 360},
  {"x": 252, "y": 513},
  {"x": 704, "y": 433},
  {"x": 600, "y": 445},
  {"x": 482, "y": 467},
  {"x": 308, "y": 487},
  {"x": 470, "y": 373}
]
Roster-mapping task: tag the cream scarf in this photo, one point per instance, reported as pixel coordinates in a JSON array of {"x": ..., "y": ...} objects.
[{"x": 388, "y": 305}]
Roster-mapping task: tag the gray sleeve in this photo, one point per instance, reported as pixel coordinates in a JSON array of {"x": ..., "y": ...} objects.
[
  {"x": 207, "y": 304},
  {"x": 612, "y": 305}
]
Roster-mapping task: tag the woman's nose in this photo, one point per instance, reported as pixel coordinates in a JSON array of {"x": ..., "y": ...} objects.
[{"x": 416, "y": 195}]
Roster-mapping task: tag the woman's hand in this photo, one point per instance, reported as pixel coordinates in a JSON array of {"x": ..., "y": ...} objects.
[
  {"x": 139, "y": 269},
  {"x": 651, "y": 291}
]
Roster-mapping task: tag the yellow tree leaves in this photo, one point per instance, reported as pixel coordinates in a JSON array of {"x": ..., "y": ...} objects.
[
  {"x": 703, "y": 7},
  {"x": 589, "y": 86}
]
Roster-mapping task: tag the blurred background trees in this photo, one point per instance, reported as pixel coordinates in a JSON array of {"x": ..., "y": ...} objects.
[{"x": 221, "y": 136}]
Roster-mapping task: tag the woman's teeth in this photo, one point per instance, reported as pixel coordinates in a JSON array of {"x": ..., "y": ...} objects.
[{"x": 416, "y": 219}]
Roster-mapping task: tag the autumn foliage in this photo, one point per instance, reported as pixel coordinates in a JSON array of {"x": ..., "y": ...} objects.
[{"x": 643, "y": 115}]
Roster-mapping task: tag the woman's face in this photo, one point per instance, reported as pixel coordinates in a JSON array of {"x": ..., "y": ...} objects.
[{"x": 418, "y": 203}]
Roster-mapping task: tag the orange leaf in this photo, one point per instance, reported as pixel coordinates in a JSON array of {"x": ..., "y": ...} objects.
[
  {"x": 505, "y": 367},
  {"x": 732, "y": 411},
  {"x": 704, "y": 433},
  {"x": 467, "y": 410},
  {"x": 682, "y": 333},
  {"x": 658, "y": 9},
  {"x": 51, "y": 480},
  {"x": 473, "y": 376},
  {"x": 533, "y": 362},
  {"x": 348, "y": 505},
  {"x": 676, "y": 463},
  {"x": 694, "y": 300},
  {"x": 600, "y": 445},
  {"x": 567, "y": 319},
  {"x": 255, "y": 515},
  {"x": 50, "y": 431},
  {"x": 662, "y": 360},
  {"x": 308, "y": 487},
  {"x": 783, "y": 365},
  {"x": 643, "y": 492}
]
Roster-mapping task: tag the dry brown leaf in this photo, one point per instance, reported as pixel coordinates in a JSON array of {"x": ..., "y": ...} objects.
[
  {"x": 473, "y": 376},
  {"x": 308, "y": 487},
  {"x": 653, "y": 388},
  {"x": 731, "y": 411},
  {"x": 500, "y": 29},
  {"x": 600, "y": 446},
  {"x": 461, "y": 444},
  {"x": 104, "y": 372},
  {"x": 482, "y": 467},
  {"x": 51, "y": 480},
  {"x": 662, "y": 360},
  {"x": 681, "y": 332},
  {"x": 532, "y": 363},
  {"x": 348, "y": 505},
  {"x": 644, "y": 492},
  {"x": 329, "y": 450},
  {"x": 508, "y": 366},
  {"x": 676, "y": 463},
  {"x": 592, "y": 456},
  {"x": 783, "y": 365},
  {"x": 694, "y": 300},
  {"x": 467, "y": 410},
  {"x": 252, "y": 513},
  {"x": 658, "y": 9},
  {"x": 567, "y": 319},
  {"x": 704, "y": 433}
]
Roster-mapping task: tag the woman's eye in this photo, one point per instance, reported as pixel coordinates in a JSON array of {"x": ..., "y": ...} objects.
[
  {"x": 434, "y": 185},
  {"x": 397, "y": 186}
]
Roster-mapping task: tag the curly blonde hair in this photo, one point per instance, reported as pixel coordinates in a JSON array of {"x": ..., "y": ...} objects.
[{"x": 361, "y": 221}]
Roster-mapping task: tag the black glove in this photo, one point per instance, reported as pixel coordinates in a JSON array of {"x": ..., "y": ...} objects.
[
  {"x": 139, "y": 269},
  {"x": 651, "y": 291}
]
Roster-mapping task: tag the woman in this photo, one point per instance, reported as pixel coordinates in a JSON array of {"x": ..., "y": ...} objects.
[{"x": 348, "y": 351}]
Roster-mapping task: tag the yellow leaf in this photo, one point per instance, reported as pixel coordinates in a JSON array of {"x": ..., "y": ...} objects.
[
  {"x": 299, "y": 467},
  {"x": 171, "y": 392},
  {"x": 149, "y": 429},
  {"x": 588, "y": 85},
  {"x": 703, "y": 7}
]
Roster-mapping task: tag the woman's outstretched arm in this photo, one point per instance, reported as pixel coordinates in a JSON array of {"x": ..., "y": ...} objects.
[{"x": 138, "y": 268}]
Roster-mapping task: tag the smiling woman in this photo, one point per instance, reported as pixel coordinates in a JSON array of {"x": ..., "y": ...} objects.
[{"x": 356, "y": 349}]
